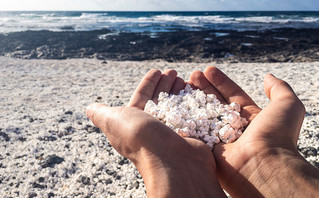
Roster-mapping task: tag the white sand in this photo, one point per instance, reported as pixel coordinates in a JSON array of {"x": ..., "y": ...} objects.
[{"x": 42, "y": 114}]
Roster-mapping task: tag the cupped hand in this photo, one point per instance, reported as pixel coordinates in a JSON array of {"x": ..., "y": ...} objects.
[
  {"x": 271, "y": 132},
  {"x": 170, "y": 165}
]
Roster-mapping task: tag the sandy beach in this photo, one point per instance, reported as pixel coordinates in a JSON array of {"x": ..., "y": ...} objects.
[{"x": 50, "y": 149}]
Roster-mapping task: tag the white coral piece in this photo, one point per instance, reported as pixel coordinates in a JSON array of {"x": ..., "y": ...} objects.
[{"x": 192, "y": 113}]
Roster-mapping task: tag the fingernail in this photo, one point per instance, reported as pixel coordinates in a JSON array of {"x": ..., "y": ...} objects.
[{"x": 89, "y": 111}]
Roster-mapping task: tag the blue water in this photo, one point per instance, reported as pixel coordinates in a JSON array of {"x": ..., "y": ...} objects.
[{"x": 155, "y": 21}]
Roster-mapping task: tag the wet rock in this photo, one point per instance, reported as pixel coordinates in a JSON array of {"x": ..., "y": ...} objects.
[
  {"x": 51, "y": 161},
  {"x": 301, "y": 45}
]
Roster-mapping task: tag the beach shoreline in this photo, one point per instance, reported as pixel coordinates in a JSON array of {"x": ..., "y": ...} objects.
[
  {"x": 51, "y": 149},
  {"x": 228, "y": 46}
]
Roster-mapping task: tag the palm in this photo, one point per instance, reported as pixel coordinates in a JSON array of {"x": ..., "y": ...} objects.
[
  {"x": 149, "y": 88},
  {"x": 267, "y": 128},
  {"x": 169, "y": 164}
]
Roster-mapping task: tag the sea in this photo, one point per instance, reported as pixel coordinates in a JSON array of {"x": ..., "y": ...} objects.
[{"x": 155, "y": 22}]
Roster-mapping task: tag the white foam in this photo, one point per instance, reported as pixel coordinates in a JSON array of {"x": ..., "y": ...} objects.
[{"x": 95, "y": 21}]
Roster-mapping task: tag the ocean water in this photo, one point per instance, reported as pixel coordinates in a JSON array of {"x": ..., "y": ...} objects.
[{"x": 155, "y": 21}]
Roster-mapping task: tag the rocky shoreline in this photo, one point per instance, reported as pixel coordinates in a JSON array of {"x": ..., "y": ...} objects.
[{"x": 277, "y": 45}]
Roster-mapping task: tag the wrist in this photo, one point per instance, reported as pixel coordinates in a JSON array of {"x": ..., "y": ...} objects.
[
  {"x": 281, "y": 172},
  {"x": 178, "y": 176}
]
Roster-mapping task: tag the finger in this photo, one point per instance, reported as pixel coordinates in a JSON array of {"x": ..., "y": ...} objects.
[
  {"x": 165, "y": 83},
  {"x": 178, "y": 85},
  {"x": 199, "y": 80},
  {"x": 101, "y": 116},
  {"x": 191, "y": 84},
  {"x": 118, "y": 124},
  {"x": 145, "y": 89},
  {"x": 282, "y": 118},
  {"x": 277, "y": 89},
  {"x": 129, "y": 129},
  {"x": 232, "y": 92},
  {"x": 281, "y": 94}
]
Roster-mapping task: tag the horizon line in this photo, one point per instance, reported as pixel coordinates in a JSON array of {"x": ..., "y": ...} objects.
[{"x": 159, "y": 11}]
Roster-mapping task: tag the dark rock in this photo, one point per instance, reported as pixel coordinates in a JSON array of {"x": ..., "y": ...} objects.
[
  {"x": 301, "y": 45},
  {"x": 18, "y": 184},
  {"x": 47, "y": 138},
  {"x": 20, "y": 156},
  {"x": 51, "y": 161},
  {"x": 70, "y": 129},
  {"x": 51, "y": 194},
  {"x": 32, "y": 194},
  {"x": 5, "y": 136},
  {"x": 136, "y": 184},
  {"x": 62, "y": 120},
  {"x": 123, "y": 161},
  {"x": 85, "y": 180},
  {"x": 39, "y": 155},
  {"x": 309, "y": 151},
  {"x": 22, "y": 139},
  {"x": 41, "y": 179},
  {"x": 36, "y": 185},
  {"x": 315, "y": 164},
  {"x": 68, "y": 112},
  {"x": 108, "y": 181},
  {"x": 31, "y": 120},
  {"x": 116, "y": 104},
  {"x": 110, "y": 172},
  {"x": 92, "y": 129}
]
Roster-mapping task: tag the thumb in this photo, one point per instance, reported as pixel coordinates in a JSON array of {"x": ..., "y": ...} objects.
[
  {"x": 277, "y": 89},
  {"x": 102, "y": 116},
  {"x": 112, "y": 122},
  {"x": 129, "y": 129},
  {"x": 285, "y": 112}
]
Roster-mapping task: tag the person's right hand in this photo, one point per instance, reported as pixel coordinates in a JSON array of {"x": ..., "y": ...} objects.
[{"x": 264, "y": 161}]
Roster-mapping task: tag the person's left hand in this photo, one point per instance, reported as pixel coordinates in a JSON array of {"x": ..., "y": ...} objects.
[{"x": 169, "y": 164}]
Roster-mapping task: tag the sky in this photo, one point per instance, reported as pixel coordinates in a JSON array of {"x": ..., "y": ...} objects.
[{"x": 159, "y": 5}]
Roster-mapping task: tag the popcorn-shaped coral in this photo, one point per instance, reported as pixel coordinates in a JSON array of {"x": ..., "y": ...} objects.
[{"x": 192, "y": 113}]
